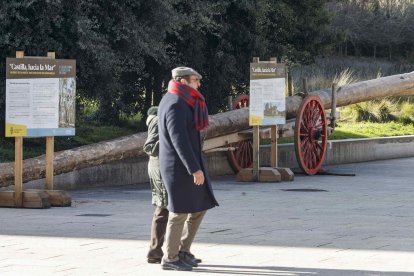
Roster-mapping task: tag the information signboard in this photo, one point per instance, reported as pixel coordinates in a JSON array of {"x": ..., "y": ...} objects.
[
  {"x": 40, "y": 97},
  {"x": 267, "y": 105}
]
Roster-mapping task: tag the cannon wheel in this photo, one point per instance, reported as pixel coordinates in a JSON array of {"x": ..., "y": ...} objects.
[
  {"x": 311, "y": 135},
  {"x": 242, "y": 155},
  {"x": 240, "y": 102}
]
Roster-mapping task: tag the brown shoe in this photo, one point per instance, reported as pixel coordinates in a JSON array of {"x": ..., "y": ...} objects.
[{"x": 154, "y": 260}]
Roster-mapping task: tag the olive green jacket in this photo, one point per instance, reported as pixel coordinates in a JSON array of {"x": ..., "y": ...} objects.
[{"x": 151, "y": 147}]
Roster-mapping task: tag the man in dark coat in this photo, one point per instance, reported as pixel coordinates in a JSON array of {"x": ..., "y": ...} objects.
[{"x": 182, "y": 115}]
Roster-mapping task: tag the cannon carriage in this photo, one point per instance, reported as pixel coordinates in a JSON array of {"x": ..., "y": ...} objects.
[{"x": 310, "y": 130}]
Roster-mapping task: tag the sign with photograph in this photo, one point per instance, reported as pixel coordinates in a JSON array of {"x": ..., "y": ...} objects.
[
  {"x": 267, "y": 105},
  {"x": 40, "y": 97}
]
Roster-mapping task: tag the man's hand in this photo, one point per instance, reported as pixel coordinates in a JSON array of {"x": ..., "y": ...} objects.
[{"x": 198, "y": 177}]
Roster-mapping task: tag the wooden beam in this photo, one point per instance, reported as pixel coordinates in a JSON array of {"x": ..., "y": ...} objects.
[
  {"x": 256, "y": 152},
  {"x": 7, "y": 199},
  {"x": 30, "y": 199},
  {"x": 50, "y": 149},
  {"x": 222, "y": 141},
  {"x": 267, "y": 174},
  {"x": 18, "y": 171},
  {"x": 273, "y": 146},
  {"x": 333, "y": 106},
  {"x": 59, "y": 198},
  {"x": 18, "y": 162},
  {"x": 19, "y": 54},
  {"x": 51, "y": 55},
  {"x": 35, "y": 199}
]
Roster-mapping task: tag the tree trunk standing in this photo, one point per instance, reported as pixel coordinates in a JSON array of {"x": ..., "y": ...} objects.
[
  {"x": 147, "y": 102},
  {"x": 158, "y": 90},
  {"x": 346, "y": 48},
  {"x": 106, "y": 112},
  {"x": 357, "y": 50},
  {"x": 389, "y": 51},
  {"x": 343, "y": 48},
  {"x": 219, "y": 125},
  {"x": 153, "y": 88}
]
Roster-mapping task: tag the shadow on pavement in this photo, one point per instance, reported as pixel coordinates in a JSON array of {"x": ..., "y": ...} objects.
[{"x": 285, "y": 271}]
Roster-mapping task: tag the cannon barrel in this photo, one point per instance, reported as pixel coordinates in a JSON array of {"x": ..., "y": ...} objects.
[{"x": 219, "y": 125}]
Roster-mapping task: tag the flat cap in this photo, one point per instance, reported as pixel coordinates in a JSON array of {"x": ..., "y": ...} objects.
[{"x": 184, "y": 71}]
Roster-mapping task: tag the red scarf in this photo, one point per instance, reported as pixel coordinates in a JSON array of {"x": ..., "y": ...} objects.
[{"x": 194, "y": 99}]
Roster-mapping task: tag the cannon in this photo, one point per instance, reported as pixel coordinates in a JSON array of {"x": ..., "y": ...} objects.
[
  {"x": 222, "y": 125},
  {"x": 310, "y": 130}
]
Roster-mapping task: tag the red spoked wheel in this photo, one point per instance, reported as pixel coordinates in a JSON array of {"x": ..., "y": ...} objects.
[
  {"x": 311, "y": 135},
  {"x": 240, "y": 102},
  {"x": 241, "y": 155}
]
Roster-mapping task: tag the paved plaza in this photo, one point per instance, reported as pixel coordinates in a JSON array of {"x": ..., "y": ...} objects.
[{"x": 332, "y": 225}]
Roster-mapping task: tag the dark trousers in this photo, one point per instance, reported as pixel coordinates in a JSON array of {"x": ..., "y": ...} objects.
[{"x": 158, "y": 228}]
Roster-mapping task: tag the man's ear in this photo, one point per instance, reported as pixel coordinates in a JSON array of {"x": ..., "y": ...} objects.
[{"x": 183, "y": 81}]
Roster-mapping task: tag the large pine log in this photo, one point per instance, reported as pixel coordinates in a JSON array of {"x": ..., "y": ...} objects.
[
  {"x": 219, "y": 124},
  {"x": 396, "y": 85}
]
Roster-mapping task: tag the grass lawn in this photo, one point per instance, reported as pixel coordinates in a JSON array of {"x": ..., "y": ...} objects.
[
  {"x": 362, "y": 130},
  {"x": 370, "y": 130},
  {"x": 88, "y": 134}
]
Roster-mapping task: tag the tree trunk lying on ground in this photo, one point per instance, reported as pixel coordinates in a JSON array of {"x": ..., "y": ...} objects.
[{"x": 219, "y": 124}]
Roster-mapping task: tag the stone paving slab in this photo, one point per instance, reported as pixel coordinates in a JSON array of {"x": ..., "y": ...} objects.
[{"x": 360, "y": 225}]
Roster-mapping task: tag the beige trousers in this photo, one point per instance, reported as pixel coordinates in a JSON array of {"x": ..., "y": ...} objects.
[{"x": 181, "y": 230}]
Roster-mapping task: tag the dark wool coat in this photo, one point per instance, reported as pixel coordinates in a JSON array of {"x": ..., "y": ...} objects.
[{"x": 181, "y": 156}]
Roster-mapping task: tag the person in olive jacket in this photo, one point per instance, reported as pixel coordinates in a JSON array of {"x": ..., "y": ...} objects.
[
  {"x": 182, "y": 115},
  {"x": 158, "y": 191}
]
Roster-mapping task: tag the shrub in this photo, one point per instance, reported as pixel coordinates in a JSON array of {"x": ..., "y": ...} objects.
[
  {"x": 406, "y": 109},
  {"x": 377, "y": 111},
  {"x": 405, "y": 120}
]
